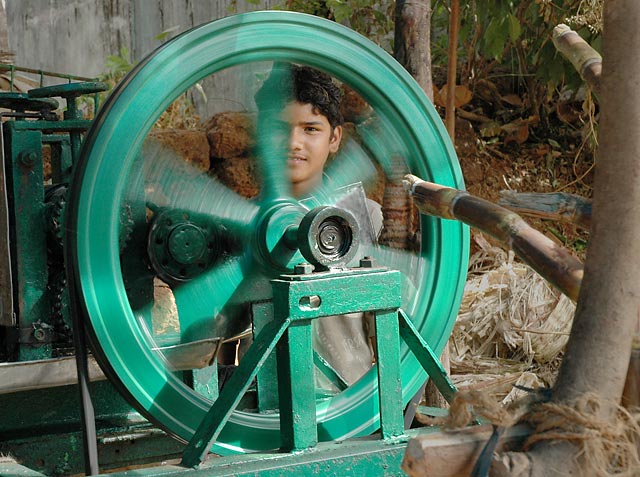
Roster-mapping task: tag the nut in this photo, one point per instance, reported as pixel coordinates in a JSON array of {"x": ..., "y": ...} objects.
[
  {"x": 303, "y": 269},
  {"x": 367, "y": 262}
]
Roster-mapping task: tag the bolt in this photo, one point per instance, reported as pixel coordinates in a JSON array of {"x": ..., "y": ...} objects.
[
  {"x": 28, "y": 159},
  {"x": 39, "y": 334},
  {"x": 303, "y": 269},
  {"x": 367, "y": 262}
]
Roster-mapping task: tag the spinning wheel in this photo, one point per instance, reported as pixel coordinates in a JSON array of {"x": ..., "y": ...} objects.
[{"x": 138, "y": 216}]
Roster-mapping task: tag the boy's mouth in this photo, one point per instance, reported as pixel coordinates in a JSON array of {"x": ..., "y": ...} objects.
[{"x": 295, "y": 159}]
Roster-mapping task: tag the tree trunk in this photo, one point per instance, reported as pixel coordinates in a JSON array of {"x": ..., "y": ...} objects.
[
  {"x": 412, "y": 49},
  {"x": 598, "y": 351},
  {"x": 452, "y": 66},
  {"x": 599, "y": 347},
  {"x": 412, "y": 41}
]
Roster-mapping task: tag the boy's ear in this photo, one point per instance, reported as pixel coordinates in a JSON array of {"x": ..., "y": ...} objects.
[{"x": 336, "y": 137}]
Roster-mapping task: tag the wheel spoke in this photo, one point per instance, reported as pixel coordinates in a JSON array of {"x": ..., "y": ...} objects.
[
  {"x": 273, "y": 134},
  {"x": 170, "y": 181},
  {"x": 352, "y": 164},
  {"x": 381, "y": 140},
  {"x": 204, "y": 306}
]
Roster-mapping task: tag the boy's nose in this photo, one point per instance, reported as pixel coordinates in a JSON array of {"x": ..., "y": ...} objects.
[{"x": 295, "y": 140}]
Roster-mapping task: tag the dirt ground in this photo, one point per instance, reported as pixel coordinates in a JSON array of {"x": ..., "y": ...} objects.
[{"x": 503, "y": 148}]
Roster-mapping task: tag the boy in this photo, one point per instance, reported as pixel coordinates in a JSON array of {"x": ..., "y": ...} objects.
[
  {"x": 299, "y": 115},
  {"x": 302, "y": 105}
]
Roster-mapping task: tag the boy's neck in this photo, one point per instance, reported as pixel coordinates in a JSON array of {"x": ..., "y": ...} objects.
[{"x": 306, "y": 188}]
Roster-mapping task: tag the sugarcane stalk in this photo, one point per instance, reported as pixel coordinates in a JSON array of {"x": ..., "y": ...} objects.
[
  {"x": 558, "y": 206},
  {"x": 553, "y": 262},
  {"x": 586, "y": 60}
]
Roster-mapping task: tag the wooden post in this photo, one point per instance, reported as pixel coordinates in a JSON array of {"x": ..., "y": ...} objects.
[
  {"x": 454, "y": 454},
  {"x": 553, "y": 262}
]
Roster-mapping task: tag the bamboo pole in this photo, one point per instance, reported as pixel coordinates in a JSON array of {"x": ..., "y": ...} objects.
[{"x": 454, "y": 453}]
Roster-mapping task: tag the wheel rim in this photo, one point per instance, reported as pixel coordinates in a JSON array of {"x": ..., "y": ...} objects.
[{"x": 109, "y": 155}]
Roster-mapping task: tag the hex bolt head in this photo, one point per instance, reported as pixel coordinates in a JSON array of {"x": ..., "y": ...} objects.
[
  {"x": 303, "y": 269},
  {"x": 28, "y": 159},
  {"x": 39, "y": 334},
  {"x": 367, "y": 262}
]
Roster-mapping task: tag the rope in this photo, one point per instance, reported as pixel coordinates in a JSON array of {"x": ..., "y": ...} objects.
[{"x": 607, "y": 441}]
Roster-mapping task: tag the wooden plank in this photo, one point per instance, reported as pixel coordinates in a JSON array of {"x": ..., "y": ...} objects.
[{"x": 453, "y": 454}]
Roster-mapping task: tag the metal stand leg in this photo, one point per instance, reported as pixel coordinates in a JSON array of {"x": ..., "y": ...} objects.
[
  {"x": 212, "y": 424},
  {"x": 426, "y": 357},
  {"x": 388, "y": 364},
  {"x": 297, "y": 389}
]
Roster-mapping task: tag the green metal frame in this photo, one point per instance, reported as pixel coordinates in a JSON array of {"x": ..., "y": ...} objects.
[
  {"x": 41, "y": 429},
  {"x": 339, "y": 293},
  {"x": 110, "y": 151},
  {"x": 23, "y": 142}
]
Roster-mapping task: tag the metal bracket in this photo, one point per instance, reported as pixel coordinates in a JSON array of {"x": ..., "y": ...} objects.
[{"x": 289, "y": 332}]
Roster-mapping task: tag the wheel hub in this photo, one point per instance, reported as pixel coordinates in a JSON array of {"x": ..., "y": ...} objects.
[{"x": 181, "y": 247}]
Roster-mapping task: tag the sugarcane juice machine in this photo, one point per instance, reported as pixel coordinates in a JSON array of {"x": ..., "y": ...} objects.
[{"x": 154, "y": 261}]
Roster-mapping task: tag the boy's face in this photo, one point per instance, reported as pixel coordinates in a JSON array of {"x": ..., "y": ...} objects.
[{"x": 311, "y": 140}]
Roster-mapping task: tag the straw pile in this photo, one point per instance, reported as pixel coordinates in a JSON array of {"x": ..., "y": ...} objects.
[{"x": 511, "y": 328}]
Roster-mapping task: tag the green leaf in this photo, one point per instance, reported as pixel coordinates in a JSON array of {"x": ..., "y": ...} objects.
[
  {"x": 580, "y": 245},
  {"x": 495, "y": 39},
  {"x": 165, "y": 34},
  {"x": 514, "y": 27},
  {"x": 341, "y": 11}
]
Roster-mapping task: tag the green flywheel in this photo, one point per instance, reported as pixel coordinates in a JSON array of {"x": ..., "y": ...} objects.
[{"x": 138, "y": 219}]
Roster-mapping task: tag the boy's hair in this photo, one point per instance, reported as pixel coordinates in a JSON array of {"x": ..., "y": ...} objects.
[{"x": 305, "y": 85}]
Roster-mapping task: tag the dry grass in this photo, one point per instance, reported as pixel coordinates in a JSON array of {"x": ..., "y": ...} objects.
[{"x": 511, "y": 325}]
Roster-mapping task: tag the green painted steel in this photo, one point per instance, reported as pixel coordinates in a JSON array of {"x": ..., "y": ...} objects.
[
  {"x": 24, "y": 171},
  {"x": 354, "y": 457},
  {"x": 434, "y": 280},
  {"x": 296, "y": 388},
  {"x": 40, "y": 303},
  {"x": 388, "y": 366},
  {"x": 22, "y": 102},
  {"x": 45, "y": 435},
  {"x": 12, "y": 469},
  {"x": 427, "y": 358},
  {"x": 210, "y": 427},
  {"x": 267, "y": 378},
  {"x": 70, "y": 92},
  {"x": 80, "y": 125},
  {"x": 339, "y": 292},
  {"x": 61, "y": 160}
]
